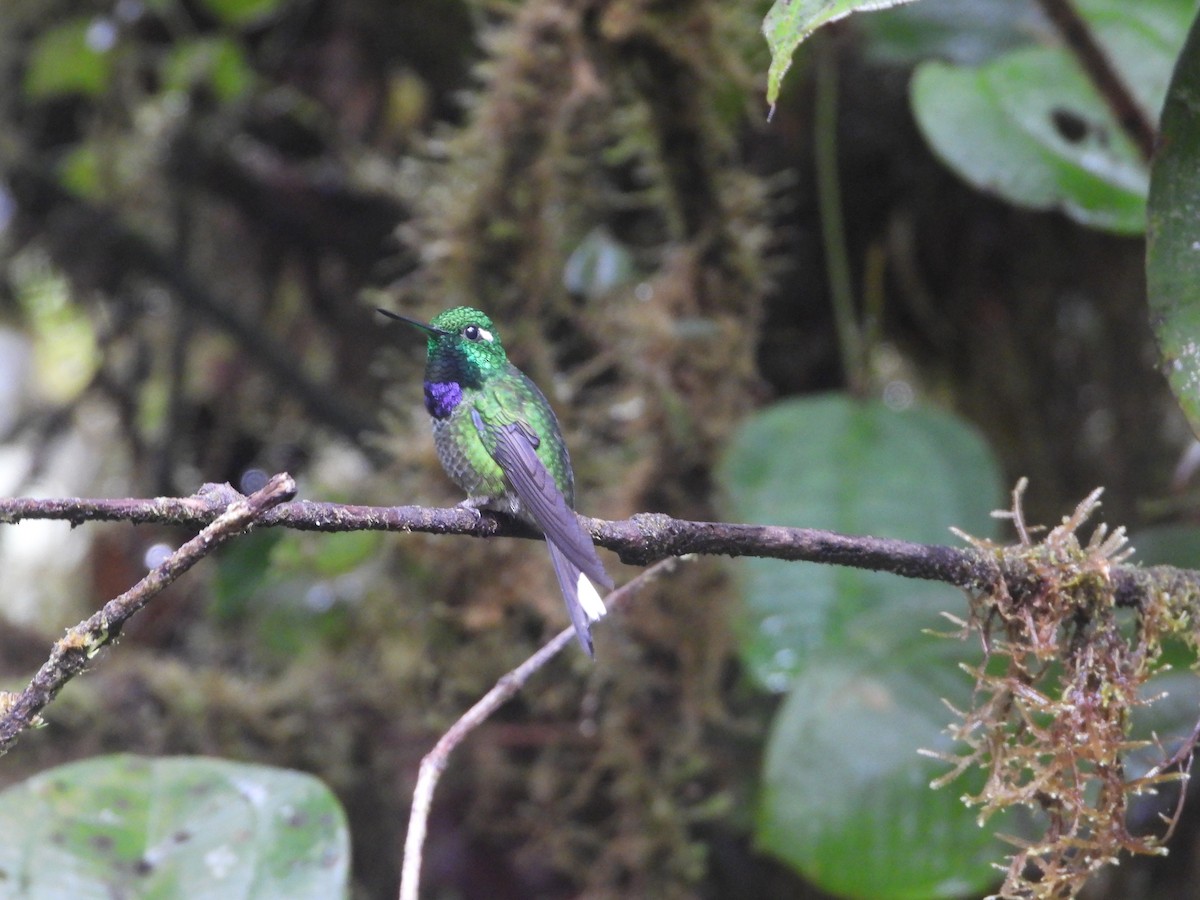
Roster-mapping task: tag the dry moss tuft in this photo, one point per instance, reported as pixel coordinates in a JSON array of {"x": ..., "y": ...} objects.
[{"x": 1063, "y": 670}]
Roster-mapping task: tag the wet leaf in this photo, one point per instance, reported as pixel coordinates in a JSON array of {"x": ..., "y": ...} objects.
[
  {"x": 1173, "y": 234},
  {"x": 174, "y": 827},
  {"x": 846, "y": 798},
  {"x": 836, "y": 463},
  {"x": 1031, "y": 128}
]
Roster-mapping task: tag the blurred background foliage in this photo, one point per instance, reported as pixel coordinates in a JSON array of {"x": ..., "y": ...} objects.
[{"x": 202, "y": 200}]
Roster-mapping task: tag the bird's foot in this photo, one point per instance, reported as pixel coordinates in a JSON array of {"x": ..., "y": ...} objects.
[
  {"x": 478, "y": 504},
  {"x": 501, "y": 505}
]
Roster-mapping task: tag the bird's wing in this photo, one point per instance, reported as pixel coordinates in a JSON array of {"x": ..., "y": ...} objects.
[{"x": 514, "y": 447}]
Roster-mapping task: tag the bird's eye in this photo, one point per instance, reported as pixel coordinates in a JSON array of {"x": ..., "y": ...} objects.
[{"x": 471, "y": 332}]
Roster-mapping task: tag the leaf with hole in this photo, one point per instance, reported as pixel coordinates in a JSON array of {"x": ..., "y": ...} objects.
[{"x": 1031, "y": 128}]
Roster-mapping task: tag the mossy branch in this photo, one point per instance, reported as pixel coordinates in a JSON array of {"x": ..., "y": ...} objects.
[{"x": 642, "y": 539}]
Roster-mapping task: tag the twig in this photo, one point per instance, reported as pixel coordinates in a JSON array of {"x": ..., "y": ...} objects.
[
  {"x": 1095, "y": 61},
  {"x": 70, "y": 655},
  {"x": 434, "y": 762}
]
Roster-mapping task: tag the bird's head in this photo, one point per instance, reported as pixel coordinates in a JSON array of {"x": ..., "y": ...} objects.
[{"x": 463, "y": 341}]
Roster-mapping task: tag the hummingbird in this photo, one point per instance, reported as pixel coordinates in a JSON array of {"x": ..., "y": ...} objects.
[{"x": 499, "y": 440}]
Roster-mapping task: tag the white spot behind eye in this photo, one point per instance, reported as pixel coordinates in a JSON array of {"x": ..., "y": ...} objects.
[{"x": 485, "y": 335}]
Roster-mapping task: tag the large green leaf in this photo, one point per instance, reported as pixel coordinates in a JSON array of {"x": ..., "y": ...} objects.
[
  {"x": 859, "y": 467},
  {"x": 846, "y": 799},
  {"x": 1031, "y": 128},
  {"x": 1173, "y": 243},
  {"x": 186, "y": 827},
  {"x": 1144, "y": 39}
]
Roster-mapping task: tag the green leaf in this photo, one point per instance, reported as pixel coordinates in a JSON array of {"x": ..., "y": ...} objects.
[
  {"x": 846, "y": 799},
  {"x": 243, "y": 571},
  {"x": 239, "y": 13},
  {"x": 598, "y": 265},
  {"x": 66, "y": 355},
  {"x": 1030, "y": 128},
  {"x": 79, "y": 171},
  {"x": 129, "y": 826},
  {"x": 789, "y": 22},
  {"x": 835, "y": 463},
  {"x": 217, "y": 62},
  {"x": 340, "y": 552},
  {"x": 1143, "y": 39},
  {"x": 1173, "y": 246},
  {"x": 69, "y": 59}
]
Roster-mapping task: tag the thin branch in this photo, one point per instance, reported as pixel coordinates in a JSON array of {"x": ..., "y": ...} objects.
[
  {"x": 434, "y": 762},
  {"x": 70, "y": 655},
  {"x": 1080, "y": 39},
  {"x": 639, "y": 540}
]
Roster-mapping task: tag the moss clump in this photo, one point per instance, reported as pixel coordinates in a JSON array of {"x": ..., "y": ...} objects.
[{"x": 1064, "y": 666}]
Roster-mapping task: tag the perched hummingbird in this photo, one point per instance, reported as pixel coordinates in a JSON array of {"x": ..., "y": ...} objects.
[{"x": 498, "y": 439}]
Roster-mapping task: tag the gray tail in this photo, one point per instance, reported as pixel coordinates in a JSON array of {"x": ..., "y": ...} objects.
[{"x": 568, "y": 581}]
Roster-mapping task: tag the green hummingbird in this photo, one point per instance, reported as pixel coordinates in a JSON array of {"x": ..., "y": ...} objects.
[{"x": 499, "y": 440}]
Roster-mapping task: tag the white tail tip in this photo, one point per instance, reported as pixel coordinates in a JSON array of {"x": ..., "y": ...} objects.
[{"x": 589, "y": 600}]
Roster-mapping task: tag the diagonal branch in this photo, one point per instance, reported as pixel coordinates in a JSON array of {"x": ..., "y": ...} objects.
[
  {"x": 434, "y": 762},
  {"x": 70, "y": 655}
]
